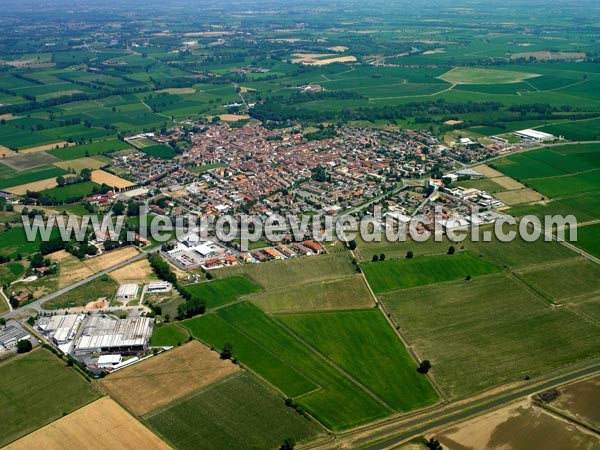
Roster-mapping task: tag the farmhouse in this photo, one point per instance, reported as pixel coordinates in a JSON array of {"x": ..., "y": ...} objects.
[
  {"x": 534, "y": 135},
  {"x": 127, "y": 291}
]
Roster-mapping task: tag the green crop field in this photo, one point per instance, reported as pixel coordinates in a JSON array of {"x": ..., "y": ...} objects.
[
  {"x": 385, "y": 367},
  {"x": 38, "y": 388},
  {"x": 70, "y": 192},
  {"x": 159, "y": 151},
  {"x": 237, "y": 413},
  {"x": 349, "y": 292},
  {"x": 12, "y": 178},
  {"x": 568, "y": 281},
  {"x": 221, "y": 292},
  {"x": 474, "y": 75},
  {"x": 280, "y": 274},
  {"x": 481, "y": 333},
  {"x": 277, "y": 356},
  {"x": 390, "y": 275},
  {"x": 103, "y": 286},
  {"x": 588, "y": 239},
  {"x": 15, "y": 242},
  {"x": 96, "y": 148},
  {"x": 168, "y": 335}
]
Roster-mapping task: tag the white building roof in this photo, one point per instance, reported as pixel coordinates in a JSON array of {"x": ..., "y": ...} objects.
[
  {"x": 106, "y": 332},
  {"x": 535, "y": 134},
  {"x": 127, "y": 290}
]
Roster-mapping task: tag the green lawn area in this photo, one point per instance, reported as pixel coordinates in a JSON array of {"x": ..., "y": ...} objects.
[
  {"x": 390, "y": 275},
  {"x": 475, "y": 75},
  {"x": 14, "y": 242},
  {"x": 238, "y": 413},
  {"x": 36, "y": 389},
  {"x": 277, "y": 356},
  {"x": 349, "y": 292},
  {"x": 168, "y": 335},
  {"x": 205, "y": 168},
  {"x": 9, "y": 272},
  {"x": 488, "y": 331},
  {"x": 384, "y": 365},
  {"x": 159, "y": 151},
  {"x": 280, "y": 274},
  {"x": 103, "y": 286},
  {"x": 221, "y": 292}
]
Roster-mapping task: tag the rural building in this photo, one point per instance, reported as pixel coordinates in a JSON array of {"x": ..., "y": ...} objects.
[
  {"x": 10, "y": 335},
  {"x": 109, "y": 361},
  {"x": 534, "y": 135},
  {"x": 127, "y": 291},
  {"x": 158, "y": 287},
  {"x": 104, "y": 334}
]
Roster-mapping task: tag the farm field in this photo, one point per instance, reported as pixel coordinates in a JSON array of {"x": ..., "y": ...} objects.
[
  {"x": 390, "y": 275},
  {"x": 136, "y": 272},
  {"x": 280, "y": 274},
  {"x": 237, "y": 413},
  {"x": 71, "y": 269},
  {"x": 80, "y": 163},
  {"x": 165, "y": 378},
  {"x": 70, "y": 192},
  {"x": 588, "y": 239},
  {"x": 101, "y": 421},
  {"x": 473, "y": 75},
  {"x": 103, "y": 177},
  {"x": 221, "y": 292},
  {"x": 168, "y": 335},
  {"x": 579, "y": 400},
  {"x": 561, "y": 282},
  {"x": 492, "y": 322},
  {"x": 110, "y": 259},
  {"x": 38, "y": 388},
  {"x": 519, "y": 426},
  {"x": 344, "y": 293},
  {"x": 264, "y": 347},
  {"x": 93, "y": 290},
  {"x": 385, "y": 367}
]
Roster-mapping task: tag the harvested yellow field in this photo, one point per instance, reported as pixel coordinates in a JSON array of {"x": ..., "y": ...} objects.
[
  {"x": 338, "y": 48},
  {"x": 79, "y": 164},
  {"x": 100, "y": 176},
  {"x": 508, "y": 183},
  {"x": 487, "y": 171},
  {"x": 43, "y": 148},
  {"x": 233, "y": 117},
  {"x": 71, "y": 269},
  {"x": 102, "y": 424},
  {"x": 453, "y": 122},
  {"x": 320, "y": 59},
  {"x": 110, "y": 259},
  {"x": 169, "y": 376},
  {"x": 137, "y": 272},
  {"x": 6, "y": 152},
  {"x": 519, "y": 196},
  {"x": 176, "y": 91},
  {"x": 244, "y": 89},
  {"x": 36, "y": 186},
  {"x": 8, "y": 116}
]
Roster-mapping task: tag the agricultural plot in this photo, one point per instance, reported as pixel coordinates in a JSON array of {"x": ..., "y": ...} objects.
[
  {"x": 159, "y": 151},
  {"x": 101, "y": 421},
  {"x": 582, "y": 281},
  {"x": 520, "y": 426},
  {"x": 102, "y": 287},
  {"x": 390, "y": 275},
  {"x": 9, "y": 272},
  {"x": 86, "y": 150},
  {"x": 475, "y": 75},
  {"x": 15, "y": 242},
  {"x": 111, "y": 258},
  {"x": 588, "y": 239},
  {"x": 70, "y": 269},
  {"x": 38, "y": 388},
  {"x": 12, "y": 178},
  {"x": 280, "y": 274},
  {"x": 79, "y": 164},
  {"x": 221, "y": 292},
  {"x": 492, "y": 323},
  {"x": 168, "y": 335},
  {"x": 238, "y": 413},
  {"x": 344, "y": 293},
  {"x": 580, "y": 400},
  {"x": 70, "y": 192},
  {"x": 29, "y": 161},
  {"x": 102, "y": 177},
  {"x": 136, "y": 272},
  {"x": 385, "y": 367},
  {"x": 278, "y": 357},
  {"x": 167, "y": 377}
]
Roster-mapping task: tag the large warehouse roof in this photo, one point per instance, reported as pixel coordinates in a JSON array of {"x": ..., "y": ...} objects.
[{"x": 107, "y": 332}]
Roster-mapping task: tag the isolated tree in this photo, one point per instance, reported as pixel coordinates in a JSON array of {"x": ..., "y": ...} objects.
[
  {"x": 375, "y": 258},
  {"x": 24, "y": 346},
  {"x": 118, "y": 208},
  {"x": 85, "y": 174},
  {"x": 424, "y": 366},
  {"x": 352, "y": 244},
  {"x": 61, "y": 181},
  {"x": 382, "y": 257},
  {"x": 288, "y": 444},
  {"x": 227, "y": 351},
  {"x": 433, "y": 444},
  {"x": 451, "y": 250},
  {"x": 2, "y": 321},
  {"x": 409, "y": 254}
]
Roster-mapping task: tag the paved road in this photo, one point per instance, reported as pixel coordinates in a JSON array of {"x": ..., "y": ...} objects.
[
  {"x": 390, "y": 434},
  {"x": 37, "y": 303}
]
